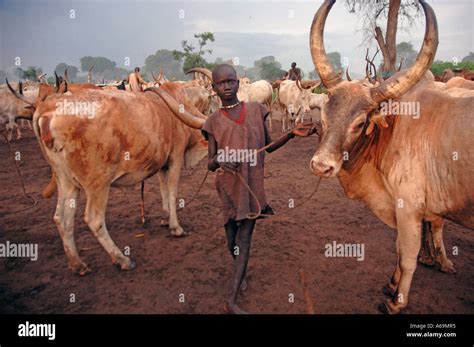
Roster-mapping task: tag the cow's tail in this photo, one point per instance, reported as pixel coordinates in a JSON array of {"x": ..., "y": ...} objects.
[{"x": 43, "y": 133}]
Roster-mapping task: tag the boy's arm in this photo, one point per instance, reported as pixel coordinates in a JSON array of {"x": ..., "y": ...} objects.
[
  {"x": 212, "y": 163},
  {"x": 278, "y": 143},
  {"x": 300, "y": 130}
]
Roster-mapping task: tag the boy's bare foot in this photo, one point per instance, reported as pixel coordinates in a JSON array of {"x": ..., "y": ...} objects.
[
  {"x": 243, "y": 286},
  {"x": 233, "y": 309}
]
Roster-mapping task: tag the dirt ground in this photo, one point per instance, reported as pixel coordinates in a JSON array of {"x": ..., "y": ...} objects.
[{"x": 199, "y": 265}]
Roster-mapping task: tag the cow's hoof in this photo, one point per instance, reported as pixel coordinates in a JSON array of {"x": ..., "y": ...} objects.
[
  {"x": 389, "y": 307},
  {"x": 126, "y": 264},
  {"x": 81, "y": 269},
  {"x": 164, "y": 222},
  {"x": 178, "y": 232},
  {"x": 427, "y": 260},
  {"x": 448, "y": 267},
  {"x": 387, "y": 290}
]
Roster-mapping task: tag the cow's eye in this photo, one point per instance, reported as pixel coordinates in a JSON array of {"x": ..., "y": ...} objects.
[{"x": 360, "y": 125}]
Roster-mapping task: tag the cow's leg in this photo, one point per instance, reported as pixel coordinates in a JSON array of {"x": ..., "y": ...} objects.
[
  {"x": 95, "y": 218},
  {"x": 64, "y": 219},
  {"x": 163, "y": 179},
  {"x": 291, "y": 122},
  {"x": 299, "y": 118},
  {"x": 173, "y": 180},
  {"x": 269, "y": 109},
  {"x": 427, "y": 252},
  {"x": 432, "y": 247},
  {"x": 409, "y": 243},
  {"x": 18, "y": 131},
  {"x": 9, "y": 129},
  {"x": 446, "y": 265},
  {"x": 391, "y": 288}
]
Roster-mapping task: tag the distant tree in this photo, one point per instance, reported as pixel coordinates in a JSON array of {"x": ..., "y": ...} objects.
[
  {"x": 406, "y": 54},
  {"x": 389, "y": 12},
  {"x": 51, "y": 80},
  {"x": 335, "y": 60},
  {"x": 100, "y": 64},
  {"x": 267, "y": 59},
  {"x": 71, "y": 70},
  {"x": 192, "y": 58},
  {"x": 19, "y": 73},
  {"x": 469, "y": 58},
  {"x": 32, "y": 73},
  {"x": 165, "y": 59},
  {"x": 313, "y": 75},
  {"x": 439, "y": 66},
  {"x": 3, "y": 75},
  {"x": 252, "y": 73},
  {"x": 268, "y": 68},
  {"x": 271, "y": 71},
  {"x": 117, "y": 73},
  {"x": 240, "y": 69}
]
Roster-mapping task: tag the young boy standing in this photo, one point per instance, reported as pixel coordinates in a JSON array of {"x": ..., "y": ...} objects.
[{"x": 239, "y": 127}]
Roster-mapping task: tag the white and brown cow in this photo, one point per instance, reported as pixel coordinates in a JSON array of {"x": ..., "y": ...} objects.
[{"x": 114, "y": 139}]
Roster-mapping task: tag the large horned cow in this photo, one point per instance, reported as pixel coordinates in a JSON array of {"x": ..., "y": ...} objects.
[
  {"x": 296, "y": 99},
  {"x": 407, "y": 169},
  {"x": 124, "y": 139}
]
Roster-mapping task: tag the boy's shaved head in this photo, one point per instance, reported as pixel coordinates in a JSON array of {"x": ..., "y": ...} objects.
[
  {"x": 225, "y": 83},
  {"x": 223, "y": 69}
]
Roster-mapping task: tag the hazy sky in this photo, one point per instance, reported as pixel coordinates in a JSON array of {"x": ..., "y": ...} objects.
[{"x": 42, "y": 33}]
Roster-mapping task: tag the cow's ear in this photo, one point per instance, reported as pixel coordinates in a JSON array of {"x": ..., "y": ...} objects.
[{"x": 376, "y": 119}]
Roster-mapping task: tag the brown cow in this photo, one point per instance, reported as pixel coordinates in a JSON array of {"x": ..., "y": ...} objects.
[
  {"x": 407, "y": 169},
  {"x": 95, "y": 140},
  {"x": 459, "y": 82}
]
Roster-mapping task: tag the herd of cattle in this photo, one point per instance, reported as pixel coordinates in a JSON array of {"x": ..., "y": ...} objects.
[{"x": 408, "y": 170}]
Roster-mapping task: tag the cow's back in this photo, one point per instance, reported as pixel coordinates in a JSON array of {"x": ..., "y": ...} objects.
[{"x": 129, "y": 137}]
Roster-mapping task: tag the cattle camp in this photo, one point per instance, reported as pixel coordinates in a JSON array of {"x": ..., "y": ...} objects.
[{"x": 311, "y": 157}]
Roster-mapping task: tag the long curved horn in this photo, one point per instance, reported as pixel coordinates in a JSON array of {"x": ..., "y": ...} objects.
[
  {"x": 398, "y": 86},
  {"x": 347, "y": 75},
  {"x": 58, "y": 82},
  {"x": 20, "y": 87},
  {"x": 310, "y": 84},
  {"x": 204, "y": 71},
  {"x": 298, "y": 84},
  {"x": 19, "y": 96},
  {"x": 154, "y": 77},
  {"x": 318, "y": 53},
  {"x": 184, "y": 116}
]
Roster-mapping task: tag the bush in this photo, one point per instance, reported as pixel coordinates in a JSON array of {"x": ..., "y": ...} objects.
[{"x": 438, "y": 67}]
